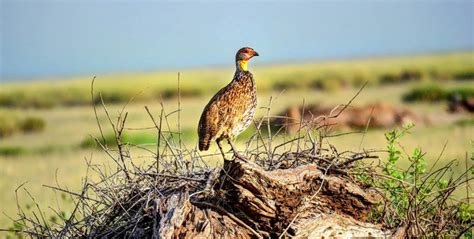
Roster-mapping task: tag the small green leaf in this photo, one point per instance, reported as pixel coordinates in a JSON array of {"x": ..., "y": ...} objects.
[{"x": 443, "y": 184}]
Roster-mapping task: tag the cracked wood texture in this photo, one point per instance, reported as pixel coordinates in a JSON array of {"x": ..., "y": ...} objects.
[{"x": 302, "y": 200}]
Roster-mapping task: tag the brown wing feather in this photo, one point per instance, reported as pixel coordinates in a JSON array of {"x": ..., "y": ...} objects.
[{"x": 208, "y": 123}]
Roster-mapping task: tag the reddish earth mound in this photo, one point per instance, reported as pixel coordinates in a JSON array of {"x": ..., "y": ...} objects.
[{"x": 375, "y": 115}]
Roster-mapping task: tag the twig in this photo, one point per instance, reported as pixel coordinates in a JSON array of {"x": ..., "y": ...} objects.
[{"x": 95, "y": 111}]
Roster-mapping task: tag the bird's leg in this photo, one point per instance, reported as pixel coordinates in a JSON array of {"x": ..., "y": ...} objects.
[
  {"x": 220, "y": 148},
  {"x": 236, "y": 154},
  {"x": 232, "y": 146}
]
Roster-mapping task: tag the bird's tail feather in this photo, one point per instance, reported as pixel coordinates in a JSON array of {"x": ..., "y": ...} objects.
[{"x": 204, "y": 143}]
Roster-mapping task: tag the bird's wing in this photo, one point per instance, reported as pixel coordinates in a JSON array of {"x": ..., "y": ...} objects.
[
  {"x": 222, "y": 111},
  {"x": 210, "y": 121}
]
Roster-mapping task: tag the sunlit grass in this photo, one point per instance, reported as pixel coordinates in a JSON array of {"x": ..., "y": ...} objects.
[{"x": 320, "y": 75}]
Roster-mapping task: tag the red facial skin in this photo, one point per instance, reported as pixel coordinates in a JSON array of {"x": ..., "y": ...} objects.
[{"x": 245, "y": 53}]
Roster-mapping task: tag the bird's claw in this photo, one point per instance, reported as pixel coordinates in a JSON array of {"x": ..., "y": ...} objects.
[{"x": 239, "y": 156}]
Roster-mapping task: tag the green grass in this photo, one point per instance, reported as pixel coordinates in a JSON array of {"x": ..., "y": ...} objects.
[
  {"x": 54, "y": 154},
  {"x": 134, "y": 138}
]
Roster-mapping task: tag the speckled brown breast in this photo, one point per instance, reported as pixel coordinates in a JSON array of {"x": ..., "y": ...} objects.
[{"x": 230, "y": 111}]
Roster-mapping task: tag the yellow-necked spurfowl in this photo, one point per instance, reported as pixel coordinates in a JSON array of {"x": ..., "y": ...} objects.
[{"x": 231, "y": 110}]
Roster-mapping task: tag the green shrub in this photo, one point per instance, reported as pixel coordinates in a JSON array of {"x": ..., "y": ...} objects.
[
  {"x": 9, "y": 124},
  {"x": 11, "y": 99},
  {"x": 435, "y": 74},
  {"x": 283, "y": 84},
  {"x": 415, "y": 190},
  {"x": 329, "y": 82},
  {"x": 173, "y": 93},
  {"x": 464, "y": 75},
  {"x": 433, "y": 93},
  {"x": 389, "y": 78},
  {"x": 429, "y": 93},
  {"x": 11, "y": 151},
  {"x": 464, "y": 93},
  {"x": 73, "y": 97},
  {"x": 404, "y": 76},
  {"x": 116, "y": 97},
  {"x": 32, "y": 124},
  {"x": 410, "y": 75},
  {"x": 359, "y": 79}
]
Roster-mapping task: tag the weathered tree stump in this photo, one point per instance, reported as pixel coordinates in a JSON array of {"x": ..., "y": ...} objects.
[{"x": 249, "y": 202}]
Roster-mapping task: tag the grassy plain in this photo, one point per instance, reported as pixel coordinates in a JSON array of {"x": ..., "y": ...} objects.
[
  {"x": 331, "y": 76},
  {"x": 55, "y": 156}
]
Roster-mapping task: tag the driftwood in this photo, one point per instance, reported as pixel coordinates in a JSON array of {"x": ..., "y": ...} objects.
[{"x": 249, "y": 202}]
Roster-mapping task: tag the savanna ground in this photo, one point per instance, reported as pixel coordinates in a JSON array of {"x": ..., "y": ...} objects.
[{"x": 55, "y": 155}]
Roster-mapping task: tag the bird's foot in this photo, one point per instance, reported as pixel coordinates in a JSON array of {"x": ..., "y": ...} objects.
[{"x": 237, "y": 155}]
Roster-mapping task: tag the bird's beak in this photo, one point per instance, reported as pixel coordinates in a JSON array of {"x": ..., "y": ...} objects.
[{"x": 255, "y": 53}]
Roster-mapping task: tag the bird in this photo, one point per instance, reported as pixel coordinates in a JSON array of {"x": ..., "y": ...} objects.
[{"x": 230, "y": 111}]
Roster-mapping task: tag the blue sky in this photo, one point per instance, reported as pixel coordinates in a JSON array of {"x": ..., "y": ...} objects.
[{"x": 46, "y": 38}]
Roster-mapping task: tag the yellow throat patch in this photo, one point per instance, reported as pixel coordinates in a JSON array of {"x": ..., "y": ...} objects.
[{"x": 243, "y": 65}]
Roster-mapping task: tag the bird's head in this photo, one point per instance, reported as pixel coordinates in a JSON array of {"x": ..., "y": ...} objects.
[{"x": 243, "y": 56}]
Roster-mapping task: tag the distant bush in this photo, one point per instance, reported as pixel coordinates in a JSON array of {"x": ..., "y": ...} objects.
[
  {"x": 21, "y": 99},
  {"x": 429, "y": 93},
  {"x": 389, "y": 78},
  {"x": 435, "y": 74},
  {"x": 410, "y": 75},
  {"x": 11, "y": 123},
  {"x": 402, "y": 77},
  {"x": 465, "y": 75},
  {"x": 114, "y": 97},
  {"x": 286, "y": 85},
  {"x": 290, "y": 82},
  {"x": 73, "y": 97},
  {"x": 8, "y": 124},
  {"x": 326, "y": 85},
  {"x": 11, "y": 151},
  {"x": 329, "y": 82},
  {"x": 32, "y": 124},
  {"x": 359, "y": 79},
  {"x": 464, "y": 93},
  {"x": 8, "y": 99},
  {"x": 185, "y": 92},
  {"x": 434, "y": 93}
]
